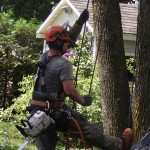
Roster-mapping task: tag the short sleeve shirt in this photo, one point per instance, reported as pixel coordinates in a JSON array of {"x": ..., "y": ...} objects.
[{"x": 57, "y": 70}]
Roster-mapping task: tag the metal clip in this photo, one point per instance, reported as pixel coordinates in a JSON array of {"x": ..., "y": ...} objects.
[
  {"x": 47, "y": 106},
  {"x": 69, "y": 114},
  {"x": 63, "y": 106}
]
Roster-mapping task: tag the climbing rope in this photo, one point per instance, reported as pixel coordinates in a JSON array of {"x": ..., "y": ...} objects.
[
  {"x": 71, "y": 118},
  {"x": 99, "y": 44},
  {"x": 80, "y": 53},
  {"x": 100, "y": 37},
  {"x": 79, "y": 129}
]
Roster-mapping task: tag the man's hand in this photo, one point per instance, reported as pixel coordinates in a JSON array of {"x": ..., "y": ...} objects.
[
  {"x": 83, "y": 17},
  {"x": 87, "y": 100}
]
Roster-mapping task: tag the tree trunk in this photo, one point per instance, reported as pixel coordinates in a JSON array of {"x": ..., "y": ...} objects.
[
  {"x": 142, "y": 77},
  {"x": 112, "y": 66}
]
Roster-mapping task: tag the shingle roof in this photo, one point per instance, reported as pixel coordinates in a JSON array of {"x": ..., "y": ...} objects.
[{"x": 128, "y": 14}]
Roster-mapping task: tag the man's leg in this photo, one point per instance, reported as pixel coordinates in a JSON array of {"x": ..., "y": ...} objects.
[
  {"x": 92, "y": 134},
  {"x": 47, "y": 140}
]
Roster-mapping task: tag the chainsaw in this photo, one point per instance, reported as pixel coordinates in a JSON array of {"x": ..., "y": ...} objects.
[{"x": 34, "y": 125}]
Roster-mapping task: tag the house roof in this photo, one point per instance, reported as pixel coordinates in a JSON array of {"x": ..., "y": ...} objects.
[{"x": 128, "y": 16}]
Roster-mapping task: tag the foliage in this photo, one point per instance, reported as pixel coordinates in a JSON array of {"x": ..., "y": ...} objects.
[
  {"x": 5, "y": 141},
  {"x": 9, "y": 135},
  {"x": 19, "y": 50},
  {"x": 15, "y": 112},
  {"x": 83, "y": 57},
  {"x": 130, "y": 64},
  {"x": 28, "y": 9},
  {"x": 6, "y": 58}
]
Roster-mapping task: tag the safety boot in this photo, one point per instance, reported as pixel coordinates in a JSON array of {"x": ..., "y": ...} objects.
[{"x": 127, "y": 138}]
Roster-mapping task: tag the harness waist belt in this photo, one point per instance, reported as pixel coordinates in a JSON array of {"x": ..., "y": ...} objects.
[{"x": 55, "y": 105}]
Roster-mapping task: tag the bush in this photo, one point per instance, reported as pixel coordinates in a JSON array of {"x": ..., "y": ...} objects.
[{"x": 15, "y": 112}]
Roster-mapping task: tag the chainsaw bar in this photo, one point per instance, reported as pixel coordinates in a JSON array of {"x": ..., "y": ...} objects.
[{"x": 25, "y": 143}]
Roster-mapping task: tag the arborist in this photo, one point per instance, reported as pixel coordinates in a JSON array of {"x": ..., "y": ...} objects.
[{"x": 55, "y": 83}]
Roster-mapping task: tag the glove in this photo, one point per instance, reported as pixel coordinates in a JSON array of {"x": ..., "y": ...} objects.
[
  {"x": 83, "y": 17},
  {"x": 87, "y": 100}
]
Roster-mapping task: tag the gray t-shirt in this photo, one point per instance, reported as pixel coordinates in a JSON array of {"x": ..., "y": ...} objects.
[{"x": 57, "y": 70}]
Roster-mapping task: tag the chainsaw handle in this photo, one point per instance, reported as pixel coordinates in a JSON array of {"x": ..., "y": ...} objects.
[{"x": 24, "y": 121}]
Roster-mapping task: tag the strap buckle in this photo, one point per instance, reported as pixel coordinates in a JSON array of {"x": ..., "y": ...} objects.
[{"x": 47, "y": 108}]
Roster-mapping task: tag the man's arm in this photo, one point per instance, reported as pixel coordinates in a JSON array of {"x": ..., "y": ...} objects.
[
  {"x": 71, "y": 91},
  {"x": 74, "y": 32}
]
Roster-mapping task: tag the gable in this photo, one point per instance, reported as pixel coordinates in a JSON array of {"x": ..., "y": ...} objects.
[{"x": 69, "y": 10}]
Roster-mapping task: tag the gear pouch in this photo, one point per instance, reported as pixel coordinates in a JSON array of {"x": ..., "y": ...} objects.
[{"x": 36, "y": 95}]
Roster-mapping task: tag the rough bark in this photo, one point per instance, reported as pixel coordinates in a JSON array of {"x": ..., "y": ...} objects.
[
  {"x": 142, "y": 83},
  {"x": 112, "y": 66}
]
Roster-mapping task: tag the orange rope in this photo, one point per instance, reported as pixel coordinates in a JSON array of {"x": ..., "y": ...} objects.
[{"x": 82, "y": 138}]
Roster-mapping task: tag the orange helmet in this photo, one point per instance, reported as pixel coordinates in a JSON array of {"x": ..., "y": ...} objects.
[{"x": 56, "y": 32}]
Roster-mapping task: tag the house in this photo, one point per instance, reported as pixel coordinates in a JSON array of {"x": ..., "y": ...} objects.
[{"x": 69, "y": 10}]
